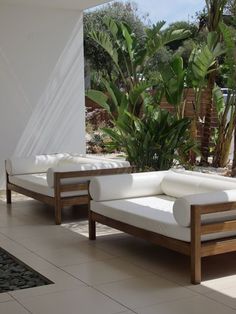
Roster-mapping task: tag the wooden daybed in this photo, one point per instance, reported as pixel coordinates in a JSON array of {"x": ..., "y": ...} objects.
[
  {"x": 59, "y": 180},
  {"x": 191, "y": 213}
]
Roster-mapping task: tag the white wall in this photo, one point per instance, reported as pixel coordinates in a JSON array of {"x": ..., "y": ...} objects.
[{"x": 41, "y": 81}]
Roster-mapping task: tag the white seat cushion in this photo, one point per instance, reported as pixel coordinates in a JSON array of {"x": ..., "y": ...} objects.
[
  {"x": 38, "y": 183},
  {"x": 154, "y": 213}
]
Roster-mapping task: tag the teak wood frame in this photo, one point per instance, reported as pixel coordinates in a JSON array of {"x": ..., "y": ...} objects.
[
  {"x": 58, "y": 201},
  {"x": 196, "y": 249}
]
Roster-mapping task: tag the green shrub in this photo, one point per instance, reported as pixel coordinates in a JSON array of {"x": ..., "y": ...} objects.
[{"x": 153, "y": 142}]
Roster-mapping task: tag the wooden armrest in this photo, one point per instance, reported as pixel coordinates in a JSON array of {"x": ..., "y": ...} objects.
[
  {"x": 69, "y": 187},
  {"x": 213, "y": 208},
  {"x": 89, "y": 173},
  {"x": 212, "y": 227}
]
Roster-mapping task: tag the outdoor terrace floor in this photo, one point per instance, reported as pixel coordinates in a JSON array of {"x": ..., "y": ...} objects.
[{"x": 114, "y": 274}]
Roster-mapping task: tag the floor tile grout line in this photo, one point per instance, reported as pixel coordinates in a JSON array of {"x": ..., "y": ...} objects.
[
  {"x": 107, "y": 282},
  {"x": 63, "y": 270},
  {"x": 222, "y": 303},
  {"x": 132, "y": 263},
  {"x": 76, "y": 289},
  {"x": 161, "y": 276},
  {"x": 111, "y": 298},
  {"x": 60, "y": 267},
  {"x": 16, "y": 300},
  {"x": 207, "y": 295},
  {"x": 179, "y": 284},
  {"x": 134, "y": 310},
  {"x": 52, "y": 264},
  {"x": 71, "y": 275},
  {"x": 143, "y": 268}
]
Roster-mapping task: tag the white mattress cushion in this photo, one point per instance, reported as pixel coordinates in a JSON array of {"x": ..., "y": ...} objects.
[
  {"x": 122, "y": 186},
  {"x": 181, "y": 184},
  {"x": 154, "y": 213},
  {"x": 94, "y": 165},
  {"x": 38, "y": 183},
  {"x": 34, "y": 164},
  {"x": 182, "y": 206}
]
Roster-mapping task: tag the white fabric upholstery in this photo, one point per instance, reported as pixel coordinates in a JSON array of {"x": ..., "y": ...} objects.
[
  {"x": 42, "y": 163},
  {"x": 90, "y": 164},
  {"x": 203, "y": 175},
  {"x": 37, "y": 183},
  {"x": 36, "y": 164},
  {"x": 135, "y": 199},
  {"x": 178, "y": 185},
  {"x": 71, "y": 159},
  {"x": 152, "y": 213},
  {"x": 181, "y": 184},
  {"x": 181, "y": 208},
  {"x": 122, "y": 186}
]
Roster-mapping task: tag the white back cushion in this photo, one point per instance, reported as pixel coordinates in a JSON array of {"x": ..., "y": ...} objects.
[
  {"x": 83, "y": 159},
  {"x": 34, "y": 164},
  {"x": 203, "y": 175},
  {"x": 94, "y": 165},
  {"x": 179, "y": 184},
  {"x": 41, "y": 163},
  {"x": 122, "y": 186}
]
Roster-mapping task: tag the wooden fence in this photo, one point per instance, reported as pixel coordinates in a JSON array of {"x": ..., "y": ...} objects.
[{"x": 96, "y": 115}]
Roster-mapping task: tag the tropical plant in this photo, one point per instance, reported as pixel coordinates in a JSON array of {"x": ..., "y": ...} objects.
[
  {"x": 127, "y": 12},
  {"x": 215, "y": 10},
  {"x": 129, "y": 97},
  {"x": 173, "y": 80},
  {"x": 130, "y": 60},
  {"x": 226, "y": 108},
  {"x": 152, "y": 142},
  {"x": 202, "y": 62}
]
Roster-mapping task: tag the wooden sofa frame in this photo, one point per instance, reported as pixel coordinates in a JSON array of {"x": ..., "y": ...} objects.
[
  {"x": 58, "y": 201},
  {"x": 196, "y": 249}
]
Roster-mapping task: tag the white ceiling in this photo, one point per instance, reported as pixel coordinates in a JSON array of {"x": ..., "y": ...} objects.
[{"x": 63, "y": 4}]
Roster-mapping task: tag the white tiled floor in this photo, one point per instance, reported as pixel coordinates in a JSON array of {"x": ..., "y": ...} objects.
[{"x": 114, "y": 274}]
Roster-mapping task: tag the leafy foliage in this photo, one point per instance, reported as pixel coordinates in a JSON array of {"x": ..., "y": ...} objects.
[
  {"x": 173, "y": 78},
  {"x": 130, "y": 59},
  {"x": 226, "y": 109},
  {"x": 94, "y": 20},
  {"x": 151, "y": 138},
  {"x": 153, "y": 141}
]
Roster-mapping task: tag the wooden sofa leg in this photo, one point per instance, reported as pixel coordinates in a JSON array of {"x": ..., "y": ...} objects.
[
  {"x": 195, "y": 270},
  {"x": 57, "y": 213},
  {"x": 195, "y": 246},
  {"x": 92, "y": 227},
  {"x": 8, "y": 196},
  {"x": 57, "y": 195},
  {"x": 8, "y": 191}
]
